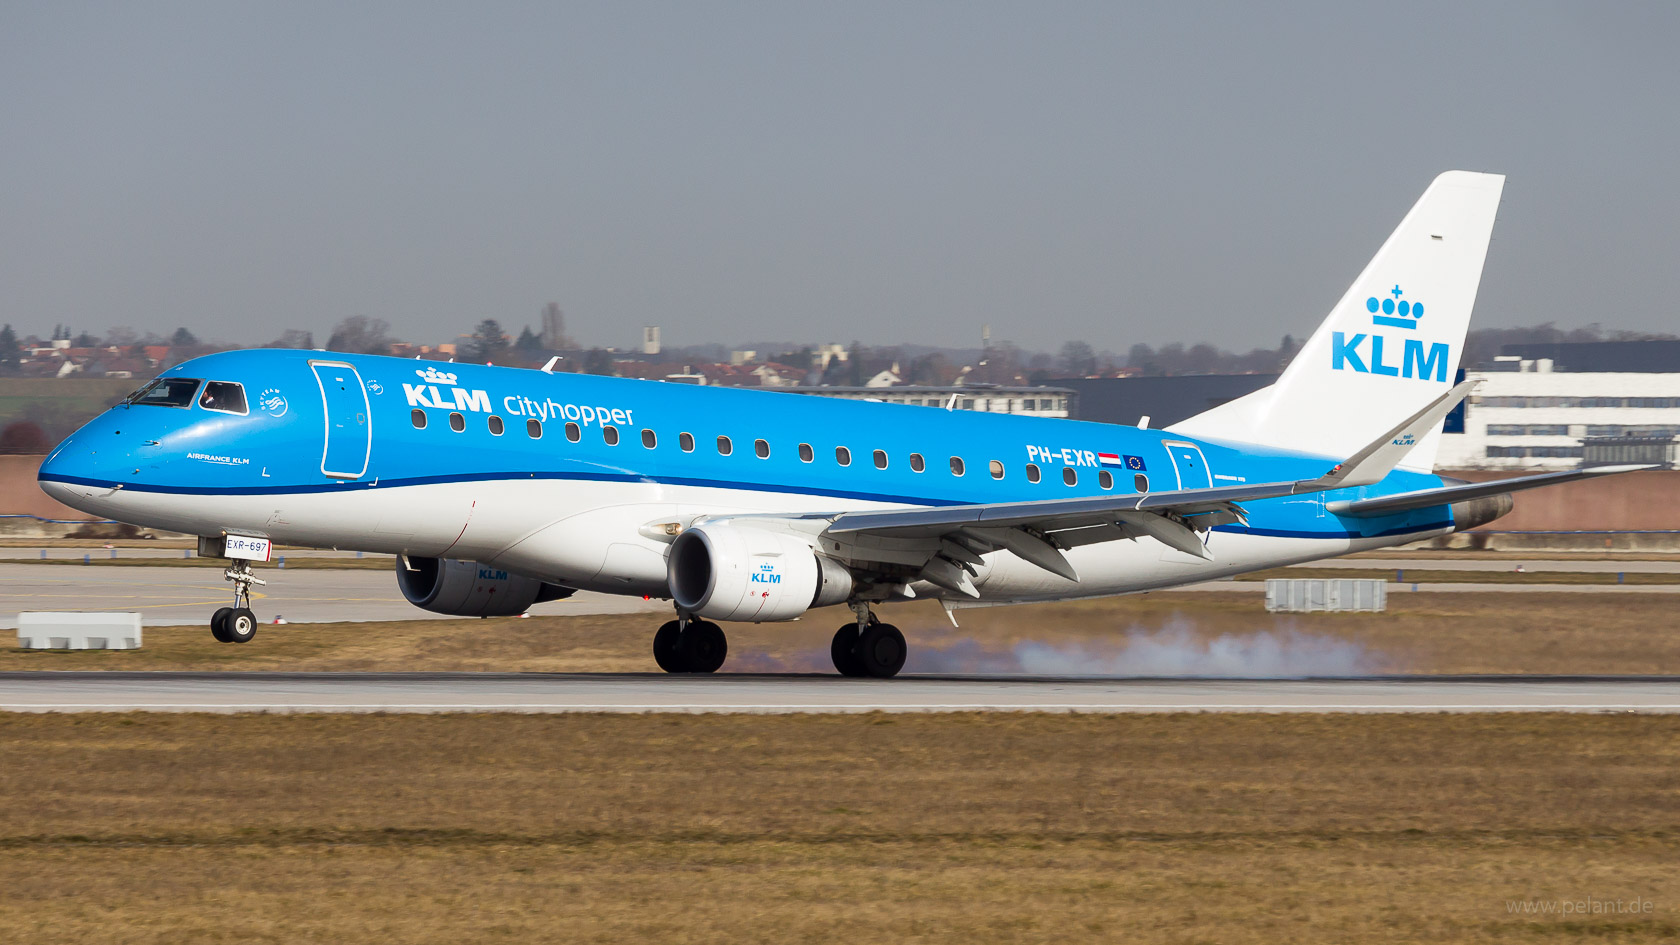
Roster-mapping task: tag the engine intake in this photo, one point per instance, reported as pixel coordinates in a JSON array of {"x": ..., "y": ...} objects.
[
  {"x": 470, "y": 589},
  {"x": 725, "y": 572}
]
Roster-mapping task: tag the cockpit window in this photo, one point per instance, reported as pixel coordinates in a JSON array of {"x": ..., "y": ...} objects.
[
  {"x": 166, "y": 392},
  {"x": 223, "y": 396}
]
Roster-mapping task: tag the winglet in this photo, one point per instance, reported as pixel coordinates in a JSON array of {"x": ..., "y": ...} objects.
[{"x": 1379, "y": 458}]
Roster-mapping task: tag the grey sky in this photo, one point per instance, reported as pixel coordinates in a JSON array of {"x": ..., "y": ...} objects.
[{"x": 890, "y": 172}]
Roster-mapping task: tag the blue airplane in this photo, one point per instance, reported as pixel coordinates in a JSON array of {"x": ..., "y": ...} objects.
[{"x": 499, "y": 488}]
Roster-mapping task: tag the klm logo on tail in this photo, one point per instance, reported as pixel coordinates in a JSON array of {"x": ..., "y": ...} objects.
[{"x": 1364, "y": 352}]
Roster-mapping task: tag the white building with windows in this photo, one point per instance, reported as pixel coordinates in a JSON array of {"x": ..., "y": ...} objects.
[
  {"x": 1532, "y": 417},
  {"x": 1027, "y": 401}
]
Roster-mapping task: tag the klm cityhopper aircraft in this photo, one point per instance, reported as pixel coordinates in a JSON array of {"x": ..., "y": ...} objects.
[{"x": 499, "y": 488}]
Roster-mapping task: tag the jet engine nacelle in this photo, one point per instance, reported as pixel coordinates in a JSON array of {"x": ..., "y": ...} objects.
[
  {"x": 470, "y": 589},
  {"x": 726, "y": 572}
]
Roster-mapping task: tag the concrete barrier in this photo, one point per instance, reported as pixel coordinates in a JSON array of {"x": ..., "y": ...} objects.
[
  {"x": 1302, "y": 596},
  {"x": 78, "y": 631}
]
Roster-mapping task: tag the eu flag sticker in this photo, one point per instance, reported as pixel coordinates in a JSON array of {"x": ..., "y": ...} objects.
[{"x": 1135, "y": 462}]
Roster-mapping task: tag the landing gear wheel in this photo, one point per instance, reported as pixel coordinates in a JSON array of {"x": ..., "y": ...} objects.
[
  {"x": 704, "y": 647},
  {"x": 844, "y": 651},
  {"x": 239, "y": 626},
  {"x": 667, "y": 648},
  {"x": 881, "y": 650},
  {"x": 218, "y": 621}
]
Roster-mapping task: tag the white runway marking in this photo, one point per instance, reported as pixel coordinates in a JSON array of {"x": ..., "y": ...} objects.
[{"x": 491, "y": 692}]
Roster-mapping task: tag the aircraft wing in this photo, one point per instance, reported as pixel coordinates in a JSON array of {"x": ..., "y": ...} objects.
[
  {"x": 1445, "y": 495},
  {"x": 944, "y": 544}
]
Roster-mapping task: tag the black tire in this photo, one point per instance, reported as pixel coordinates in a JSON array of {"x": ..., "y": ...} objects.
[
  {"x": 240, "y": 626},
  {"x": 667, "y": 648},
  {"x": 704, "y": 647},
  {"x": 881, "y": 651},
  {"x": 844, "y": 651},
  {"x": 217, "y": 621}
]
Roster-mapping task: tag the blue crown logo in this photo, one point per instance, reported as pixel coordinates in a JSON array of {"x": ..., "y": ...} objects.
[{"x": 1408, "y": 311}]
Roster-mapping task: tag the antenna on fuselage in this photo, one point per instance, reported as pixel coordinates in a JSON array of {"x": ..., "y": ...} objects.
[
  {"x": 952, "y": 403},
  {"x": 549, "y": 367},
  {"x": 1143, "y": 422}
]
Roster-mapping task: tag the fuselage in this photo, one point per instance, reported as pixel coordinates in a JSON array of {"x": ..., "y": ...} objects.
[{"x": 569, "y": 478}]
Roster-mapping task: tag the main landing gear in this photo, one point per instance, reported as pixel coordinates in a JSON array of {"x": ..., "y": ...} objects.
[
  {"x": 689, "y": 645},
  {"x": 868, "y": 647},
  {"x": 237, "y": 624}
]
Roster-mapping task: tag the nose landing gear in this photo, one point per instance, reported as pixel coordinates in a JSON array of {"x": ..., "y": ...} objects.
[{"x": 237, "y": 624}]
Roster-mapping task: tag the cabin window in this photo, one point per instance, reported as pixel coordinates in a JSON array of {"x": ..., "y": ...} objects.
[
  {"x": 1105, "y": 479},
  {"x": 1069, "y": 476},
  {"x": 224, "y": 397},
  {"x": 457, "y": 422},
  {"x": 1140, "y": 482},
  {"x": 495, "y": 425},
  {"x": 880, "y": 459},
  {"x": 685, "y": 441},
  {"x": 762, "y": 449},
  {"x": 533, "y": 427},
  {"x": 573, "y": 432},
  {"x": 1032, "y": 472},
  {"x": 610, "y": 434},
  {"x": 649, "y": 440},
  {"x": 806, "y": 454},
  {"x": 997, "y": 469},
  {"x": 724, "y": 446},
  {"x": 842, "y": 456},
  {"x": 916, "y": 462},
  {"x": 166, "y": 392},
  {"x": 956, "y": 466},
  {"x": 418, "y": 418}
]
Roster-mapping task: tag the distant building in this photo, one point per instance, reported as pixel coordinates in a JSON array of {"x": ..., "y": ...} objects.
[
  {"x": 1643, "y": 450},
  {"x": 1164, "y": 400},
  {"x": 826, "y": 353},
  {"x": 1526, "y": 416},
  {"x": 554, "y": 327},
  {"x": 1026, "y": 401},
  {"x": 1599, "y": 357},
  {"x": 650, "y": 340}
]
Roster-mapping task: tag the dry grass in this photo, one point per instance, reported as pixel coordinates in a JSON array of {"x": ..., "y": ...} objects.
[
  {"x": 1501, "y": 632},
  {"x": 963, "y": 828}
]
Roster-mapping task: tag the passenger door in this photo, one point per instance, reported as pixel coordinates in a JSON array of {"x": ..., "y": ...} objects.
[
  {"x": 1190, "y": 464},
  {"x": 348, "y": 436}
]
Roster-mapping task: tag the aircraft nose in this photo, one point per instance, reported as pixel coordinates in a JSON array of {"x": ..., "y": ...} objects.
[
  {"x": 53, "y": 473},
  {"x": 71, "y": 475}
]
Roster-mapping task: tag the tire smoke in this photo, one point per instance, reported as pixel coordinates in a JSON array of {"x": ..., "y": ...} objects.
[{"x": 1175, "y": 650}]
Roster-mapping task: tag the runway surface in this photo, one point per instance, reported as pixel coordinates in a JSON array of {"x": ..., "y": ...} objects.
[
  {"x": 174, "y": 596},
  {"x": 187, "y": 596},
  {"x": 544, "y": 693}
]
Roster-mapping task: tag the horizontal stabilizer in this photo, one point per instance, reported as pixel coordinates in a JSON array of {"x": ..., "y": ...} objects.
[
  {"x": 1447, "y": 495},
  {"x": 1378, "y": 458}
]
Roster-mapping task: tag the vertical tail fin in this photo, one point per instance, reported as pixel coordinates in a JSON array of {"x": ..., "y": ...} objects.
[{"x": 1389, "y": 347}]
